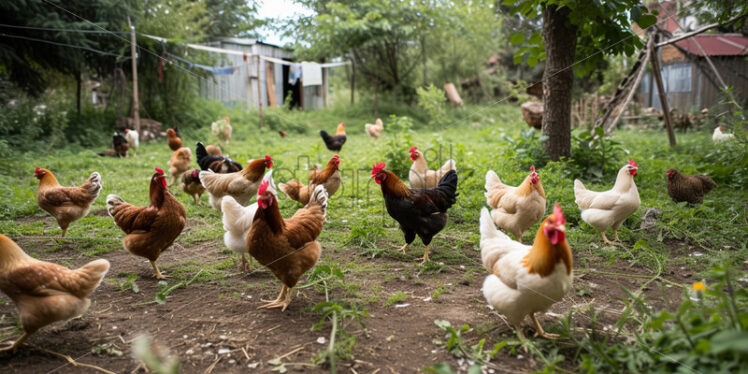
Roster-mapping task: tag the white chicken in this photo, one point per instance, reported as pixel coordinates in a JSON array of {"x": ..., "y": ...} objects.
[
  {"x": 525, "y": 279},
  {"x": 374, "y": 130},
  {"x": 237, "y": 220},
  {"x": 420, "y": 176},
  {"x": 718, "y": 136},
  {"x": 609, "y": 208},
  {"x": 132, "y": 139}
]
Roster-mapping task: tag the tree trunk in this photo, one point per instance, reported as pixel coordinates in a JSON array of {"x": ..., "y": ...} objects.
[
  {"x": 560, "y": 39},
  {"x": 78, "y": 80}
]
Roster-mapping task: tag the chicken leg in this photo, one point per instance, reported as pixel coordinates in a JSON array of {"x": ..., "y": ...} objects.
[
  {"x": 402, "y": 249},
  {"x": 14, "y": 346},
  {"x": 539, "y": 329},
  {"x": 158, "y": 273},
  {"x": 426, "y": 254},
  {"x": 281, "y": 302},
  {"x": 605, "y": 239},
  {"x": 246, "y": 265}
]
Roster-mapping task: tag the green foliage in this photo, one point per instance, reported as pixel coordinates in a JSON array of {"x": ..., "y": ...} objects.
[
  {"x": 594, "y": 155},
  {"x": 395, "y": 298},
  {"x": 397, "y": 146},
  {"x": 166, "y": 289},
  {"x": 432, "y": 101},
  {"x": 527, "y": 148},
  {"x": 127, "y": 284},
  {"x": 707, "y": 331},
  {"x": 457, "y": 345},
  {"x": 727, "y": 162},
  {"x": 365, "y": 234},
  {"x": 601, "y": 26}
]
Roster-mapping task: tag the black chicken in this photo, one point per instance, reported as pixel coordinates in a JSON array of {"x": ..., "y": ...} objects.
[{"x": 218, "y": 164}]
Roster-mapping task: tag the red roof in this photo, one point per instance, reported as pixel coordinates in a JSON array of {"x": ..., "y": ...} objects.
[{"x": 716, "y": 45}]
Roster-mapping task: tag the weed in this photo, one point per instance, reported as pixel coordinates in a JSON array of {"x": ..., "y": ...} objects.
[
  {"x": 395, "y": 298},
  {"x": 457, "y": 345},
  {"x": 127, "y": 284}
]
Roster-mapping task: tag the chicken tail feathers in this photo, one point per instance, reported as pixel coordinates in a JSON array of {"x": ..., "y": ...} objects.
[
  {"x": 448, "y": 185},
  {"x": 319, "y": 197},
  {"x": 325, "y": 136},
  {"x": 95, "y": 270},
  {"x": 232, "y": 211},
  {"x": 579, "y": 186},
  {"x": 291, "y": 189},
  {"x": 112, "y": 202},
  {"x": 487, "y": 227},
  {"x": 200, "y": 151},
  {"x": 449, "y": 165},
  {"x": 492, "y": 180},
  {"x": 94, "y": 183}
]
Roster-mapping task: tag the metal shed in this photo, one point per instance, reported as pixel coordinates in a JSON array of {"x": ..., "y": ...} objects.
[{"x": 240, "y": 87}]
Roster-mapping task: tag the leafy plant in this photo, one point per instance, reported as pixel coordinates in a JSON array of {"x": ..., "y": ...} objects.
[
  {"x": 594, "y": 154},
  {"x": 457, "y": 345},
  {"x": 395, "y": 298},
  {"x": 128, "y": 284},
  {"x": 432, "y": 101},
  {"x": 398, "y": 144},
  {"x": 707, "y": 331},
  {"x": 166, "y": 289},
  {"x": 527, "y": 148},
  {"x": 156, "y": 360},
  {"x": 365, "y": 234}
]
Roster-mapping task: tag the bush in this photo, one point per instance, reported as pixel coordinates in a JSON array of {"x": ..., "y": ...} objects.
[
  {"x": 398, "y": 145},
  {"x": 594, "y": 155},
  {"x": 527, "y": 148},
  {"x": 432, "y": 101}
]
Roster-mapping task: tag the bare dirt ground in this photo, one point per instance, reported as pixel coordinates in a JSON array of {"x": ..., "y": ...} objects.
[{"x": 215, "y": 326}]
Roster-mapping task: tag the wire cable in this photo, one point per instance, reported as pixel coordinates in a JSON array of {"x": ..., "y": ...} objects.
[
  {"x": 61, "y": 30},
  {"x": 61, "y": 44}
]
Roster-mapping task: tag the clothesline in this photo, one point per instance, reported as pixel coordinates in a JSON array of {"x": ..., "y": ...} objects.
[{"x": 239, "y": 53}]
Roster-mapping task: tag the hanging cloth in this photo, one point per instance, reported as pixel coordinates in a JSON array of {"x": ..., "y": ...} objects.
[
  {"x": 294, "y": 73},
  {"x": 312, "y": 73}
]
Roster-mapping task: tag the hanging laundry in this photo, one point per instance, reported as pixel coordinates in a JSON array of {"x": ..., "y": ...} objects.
[
  {"x": 294, "y": 73},
  {"x": 215, "y": 70},
  {"x": 312, "y": 73}
]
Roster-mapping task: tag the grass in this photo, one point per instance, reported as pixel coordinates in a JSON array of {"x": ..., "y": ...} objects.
[{"x": 718, "y": 229}]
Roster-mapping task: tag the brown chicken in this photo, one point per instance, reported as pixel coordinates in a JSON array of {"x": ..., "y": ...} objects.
[
  {"x": 288, "y": 247},
  {"x": 150, "y": 229},
  {"x": 689, "y": 188},
  {"x": 240, "y": 185},
  {"x": 179, "y": 163},
  {"x": 329, "y": 177},
  {"x": 213, "y": 150},
  {"x": 45, "y": 292},
  {"x": 66, "y": 204},
  {"x": 282, "y": 133},
  {"x": 175, "y": 142},
  {"x": 191, "y": 184}
]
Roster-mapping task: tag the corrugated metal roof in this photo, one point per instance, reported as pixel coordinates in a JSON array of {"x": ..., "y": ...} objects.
[{"x": 716, "y": 45}]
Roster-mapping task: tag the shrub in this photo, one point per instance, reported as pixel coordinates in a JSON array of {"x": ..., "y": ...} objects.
[
  {"x": 432, "y": 101},
  {"x": 398, "y": 144},
  {"x": 594, "y": 155}
]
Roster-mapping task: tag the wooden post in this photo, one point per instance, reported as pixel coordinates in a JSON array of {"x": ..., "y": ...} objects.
[
  {"x": 353, "y": 79},
  {"x": 663, "y": 96},
  {"x": 259, "y": 92},
  {"x": 324, "y": 87},
  {"x": 135, "y": 105}
]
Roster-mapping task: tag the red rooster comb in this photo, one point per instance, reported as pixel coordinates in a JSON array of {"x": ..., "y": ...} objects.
[
  {"x": 269, "y": 161},
  {"x": 159, "y": 170},
  {"x": 633, "y": 163},
  {"x": 413, "y": 149},
  {"x": 720, "y": 128},
  {"x": 532, "y": 168},
  {"x": 336, "y": 157},
  {"x": 225, "y": 118},
  {"x": 558, "y": 215},
  {"x": 263, "y": 187},
  {"x": 127, "y": 130},
  {"x": 38, "y": 169},
  {"x": 342, "y": 124},
  {"x": 377, "y": 168}
]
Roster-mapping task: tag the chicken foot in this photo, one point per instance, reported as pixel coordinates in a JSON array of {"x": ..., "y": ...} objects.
[
  {"x": 539, "y": 329},
  {"x": 246, "y": 265},
  {"x": 426, "y": 255},
  {"x": 605, "y": 239},
  {"x": 158, "y": 273},
  {"x": 13, "y": 346},
  {"x": 281, "y": 302},
  {"x": 402, "y": 248}
]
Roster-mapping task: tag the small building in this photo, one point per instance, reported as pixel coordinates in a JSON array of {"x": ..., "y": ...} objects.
[
  {"x": 239, "y": 86},
  {"x": 689, "y": 81}
]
